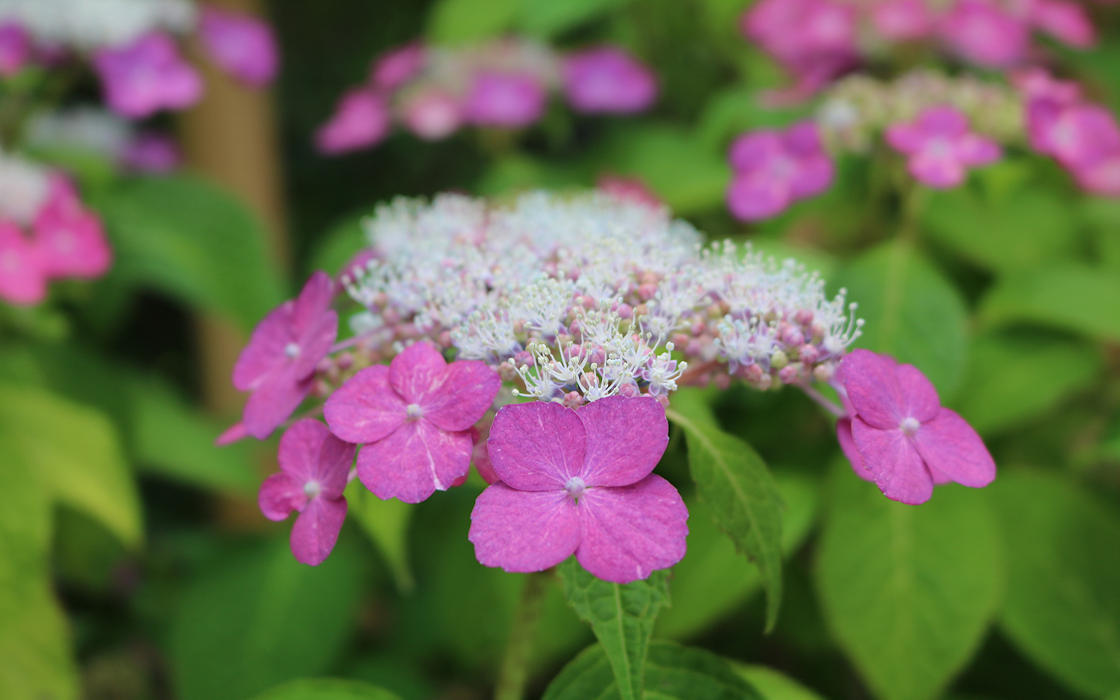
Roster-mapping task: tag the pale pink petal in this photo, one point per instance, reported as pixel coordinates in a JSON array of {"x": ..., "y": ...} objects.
[
  {"x": 466, "y": 392},
  {"x": 316, "y": 529},
  {"x": 22, "y": 280},
  {"x": 313, "y": 301},
  {"x": 754, "y": 149},
  {"x": 848, "y": 445},
  {"x": 977, "y": 150},
  {"x": 231, "y": 435},
  {"x": 414, "y": 461},
  {"x": 943, "y": 121},
  {"x": 949, "y": 445},
  {"x": 1102, "y": 177},
  {"x": 905, "y": 138},
  {"x": 896, "y": 465},
  {"x": 1065, "y": 20},
  {"x": 752, "y": 197},
  {"x": 270, "y": 405},
  {"x": 300, "y": 445},
  {"x": 332, "y": 467},
  {"x": 279, "y": 495},
  {"x": 417, "y": 372},
  {"x": 936, "y": 169},
  {"x": 365, "y": 408},
  {"x": 625, "y": 439},
  {"x": 398, "y": 65},
  {"x": 871, "y": 383},
  {"x": 241, "y": 44},
  {"x": 919, "y": 397},
  {"x": 631, "y": 531},
  {"x": 523, "y": 531},
  {"x": 537, "y": 446},
  {"x": 265, "y": 351},
  {"x": 814, "y": 175}
]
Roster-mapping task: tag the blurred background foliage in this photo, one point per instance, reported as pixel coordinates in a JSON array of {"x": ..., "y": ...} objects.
[{"x": 1006, "y": 293}]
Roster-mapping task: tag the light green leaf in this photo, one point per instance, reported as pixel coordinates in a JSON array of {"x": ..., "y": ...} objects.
[
  {"x": 1074, "y": 297},
  {"x": 460, "y": 21},
  {"x": 737, "y": 487},
  {"x": 773, "y": 685},
  {"x": 74, "y": 451},
  {"x": 259, "y": 617},
  {"x": 326, "y": 689},
  {"x": 1063, "y": 609},
  {"x": 621, "y": 616},
  {"x": 193, "y": 240},
  {"x": 1013, "y": 378},
  {"x": 386, "y": 523},
  {"x": 736, "y": 110},
  {"x": 908, "y": 591},
  {"x": 712, "y": 580},
  {"x": 911, "y": 311},
  {"x": 672, "y": 673},
  {"x": 548, "y": 18}
]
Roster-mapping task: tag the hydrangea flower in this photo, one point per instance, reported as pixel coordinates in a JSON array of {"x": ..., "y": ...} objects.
[
  {"x": 21, "y": 276},
  {"x": 68, "y": 238},
  {"x": 773, "y": 169},
  {"x": 507, "y": 99},
  {"x": 314, "y": 469},
  {"x": 607, "y": 79},
  {"x": 940, "y": 147},
  {"x": 148, "y": 75},
  {"x": 361, "y": 119},
  {"x": 432, "y": 113},
  {"x": 398, "y": 66},
  {"x": 241, "y": 44},
  {"x": 579, "y": 482},
  {"x": 15, "y": 48},
  {"x": 413, "y": 418},
  {"x": 278, "y": 363},
  {"x": 985, "y": 33},
  {"x": 898, "y": 435}
]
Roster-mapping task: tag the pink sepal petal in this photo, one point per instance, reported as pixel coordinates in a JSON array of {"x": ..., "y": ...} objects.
[
  {"x": 523, "y": 531},
  {"x": 279, "y": 495},
  {"x": 417, "y": 373},
  {"x": 848, "y": 445},
  {"x": 950, "y": 446},
  {"x": 466, "y": 392},
  {"x": 22, "y": 279},
  {"x": 919, "y": 397},
  {"x": 625, "y": 439},
  {"x": 270, "y": 405},
  {"x": 315, "y": 531},
  {"x": 894, "y": 462},
  {"x": 632, "y": 531},
  {"x": 308, "y": 452},
  {"x": 977, "y": 150},
  {"x": 537, "y": 446},
  {"x": 936, "y": 170},
  {"x": 752, "y": 197},
  {"x": 905, "y": 138},
  {"x": 231, "y": 435},
  {"x": 872, "y": 386},
  {"x": 264, "y": 350},
  {"x": 365, "y": 408},
  {"x": 415, "y": 461},
  {"x": 754, "y": 149}
]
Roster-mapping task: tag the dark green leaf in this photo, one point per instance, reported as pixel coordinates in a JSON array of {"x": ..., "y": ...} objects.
[
  {"x": 1063, "y": 609},
  {"x": 326, "y": 689},
  {"x": 907, "y": 590},
  {"x": 1075, "y": 297},
  {"x": 622, "y": 617},
  {"x": 386, "y": 523},
  {"x": 737, "y": 487}
]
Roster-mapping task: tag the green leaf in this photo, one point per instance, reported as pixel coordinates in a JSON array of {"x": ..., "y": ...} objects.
[
  {"x": 712, "y": 580},
  {"x": 736, "y": 110},
  {"x": 1014, "y": 378},
  {"x": 1074, "y": 297},
  {"x": 460, "y": 21},
  {"x": 990, "y": 231},
  {"x": 736, "y": 485},
  {"x": 386, "y": 524},
  {"x": 339, "y": 244},
  {"x": 74, "y": 451},
  {"x": 193, "y": 240},
  {"x": 672, "y": 672},
  {"x": 911, "y": 311},
  {"x": 1063, "y": 609},
  {"x": 621, "y": 616},
  {"x": 259, "y": 617},
  {"x": 908, "y": 591},
  {"x": 548, "y": 18},
  {"x": 773, "y": 685},
  {"x": 326, "y": 689}
]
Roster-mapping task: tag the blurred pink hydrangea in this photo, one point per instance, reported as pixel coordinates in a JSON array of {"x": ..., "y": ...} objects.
[
  {"x": 940, "y": 148},
  {"x": 145, "y": 76},
  {"x": 361, "y": 119},
  {"x": 774, "y": 169},
  {"x": 607, "y": 79},
  {"x": 241, "y": 44}
]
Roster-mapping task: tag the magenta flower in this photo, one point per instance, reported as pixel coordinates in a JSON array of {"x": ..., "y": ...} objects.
[
  {"x": 148, "y": 75},
  {"x": 607, "y": 79},
  {"x": 278, "y": 363},
  {"x": 241, "y": 44},
  {"x": 902, "y": 20},
  {"x": 413, "y": 418},
  {"x": 1066, "y": 21},
  {"x": 361, "y": 119},
  {"x": 774, "y": 169},
  {"x": 314, "y": 469},
  {"x": 1077, "y": 135},
  {"x": 22, "y": 280},
  {"x": 504, "y": 99},
  {"x": 814, "y": 39},
  {"x": 432, "y": 113},
  {"x": 579, "y": 482},
  {"x": 898, "y": 434},
  {"x": 985, "y": 33},
  {"x": 68, "y": 238},
  {"x": 940, "y": 146},
  {"x": 15, "y": 48},
  {"x": 398, "y": 66}
]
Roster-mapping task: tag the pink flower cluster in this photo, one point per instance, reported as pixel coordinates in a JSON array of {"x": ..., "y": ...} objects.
[
  {"x": 434, "y": 91},
  {"x": 774, "y": 169},
  {"x": 570, "y": 472},
  {"x": 818, "y": 40},
  {"x": 62, "y": 240},
  {"x": 940, "y": 148}
]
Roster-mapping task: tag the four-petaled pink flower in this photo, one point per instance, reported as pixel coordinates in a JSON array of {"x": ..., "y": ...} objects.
[
  {"x": 898, "y": 435},
  {"x": 940, "y": 147},
  {"x": 68, "y": 237},
  {"x": 504, "y": 99},
  {"x": 413, "y": 419},
  {"x": 148, "y": 75},
  {"x": 314, "y": 469},
  {"x": 775, "y": 169},
  {"x": 241, "y": 44},
  {"x": 579, "y": 482},
  {"x": 279, "y": 362},
  {"x": 360, "y": 119},
  {"x": 607, "y": 79}
]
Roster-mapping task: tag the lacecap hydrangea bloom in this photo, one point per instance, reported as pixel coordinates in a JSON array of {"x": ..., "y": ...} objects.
[{"x": 543, "y": 338}]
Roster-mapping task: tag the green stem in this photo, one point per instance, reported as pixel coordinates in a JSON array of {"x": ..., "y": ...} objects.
[{"x": 514, "y": 672}]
